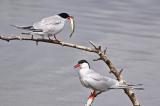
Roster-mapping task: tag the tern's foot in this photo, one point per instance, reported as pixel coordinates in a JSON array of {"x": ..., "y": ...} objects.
[
  {"x": 31, "y": 36},
  {"x": 49, "y": 38},
  {"x": 19, "y": 37},
  {"x": 55, "y": 38}
]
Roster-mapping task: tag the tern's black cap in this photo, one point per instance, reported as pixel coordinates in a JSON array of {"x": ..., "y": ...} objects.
[
  {"x": 64, "y": 15},
  {"x": 83, "y": 61}
]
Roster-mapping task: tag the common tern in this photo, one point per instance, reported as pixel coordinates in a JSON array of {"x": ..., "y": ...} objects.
[
  {"x": 49, "y": 26},
  {"x": 98, "y": 83}
]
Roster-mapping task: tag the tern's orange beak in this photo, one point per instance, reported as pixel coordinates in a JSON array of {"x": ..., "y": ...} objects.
[
  {"x": 71, "y": 19},
  {"x": 77, "y": 65}
]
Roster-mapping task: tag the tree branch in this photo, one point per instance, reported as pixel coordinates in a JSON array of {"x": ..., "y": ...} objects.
[{"x": 96, "y": 49}]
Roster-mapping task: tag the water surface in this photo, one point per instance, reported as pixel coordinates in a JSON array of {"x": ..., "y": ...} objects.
[{"x": 43, "y": 75}]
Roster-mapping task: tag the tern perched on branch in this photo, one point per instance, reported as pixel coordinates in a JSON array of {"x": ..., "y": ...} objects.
[
  {"x": 98, "y": 83},
  {"x": 49, "y": 26}
]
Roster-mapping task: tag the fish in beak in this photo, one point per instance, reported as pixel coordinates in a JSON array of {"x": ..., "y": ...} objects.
[{"x": 71, "y": 20}]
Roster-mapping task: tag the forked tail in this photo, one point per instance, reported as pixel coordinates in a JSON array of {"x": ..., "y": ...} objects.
[
  {"x": 29, "y": 28},
  {"x": 132, "y": 86},
  {"x": 23, "y": 27}
]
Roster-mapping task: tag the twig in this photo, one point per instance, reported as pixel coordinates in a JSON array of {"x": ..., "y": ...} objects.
[
  {"x": 105, "y": 50},
  {"x": 97, "y": 59},
  {"x": 93, "y": 44}
]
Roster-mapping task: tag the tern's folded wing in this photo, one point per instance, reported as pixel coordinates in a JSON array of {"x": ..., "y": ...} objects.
[
  {"x": 102, "y": 81},
  {"x": 45, "y": 22}
]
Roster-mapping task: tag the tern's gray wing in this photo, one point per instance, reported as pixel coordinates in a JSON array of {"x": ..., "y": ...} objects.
[
  {"x": 48, "y": 22},
  {"x": 99, "y": 82}
]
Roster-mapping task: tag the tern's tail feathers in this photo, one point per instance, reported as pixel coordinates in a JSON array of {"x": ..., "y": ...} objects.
[
  {"x": 23, "y": 27},
  {"x": 136, "y": 88},
  {"x": 29, "y": 28},
  {"x": 135, "y": 85},
  {"x": 132, "y": 86}
]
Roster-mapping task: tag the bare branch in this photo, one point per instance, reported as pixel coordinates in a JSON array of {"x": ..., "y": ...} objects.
[
  {"x": 97, "y": 59},
  {"x": 28, "y": 38},
  {"x": 105, "y": 50},
  {"x": 102, "y": 56},
  {"x": 120, "y": 74},
  {"x": 93, "y": 44},
  {"x": 99, "y": 47}
]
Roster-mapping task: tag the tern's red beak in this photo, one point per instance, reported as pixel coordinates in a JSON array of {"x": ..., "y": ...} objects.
[
  {"x": 71, "y": 19},
  {"x": 77, "y": 65}
]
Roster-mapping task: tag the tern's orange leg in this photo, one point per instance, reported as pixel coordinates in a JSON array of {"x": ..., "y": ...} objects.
[
  {"x": 91, "y": 98},
  {"x": 93, "y": 95},
  {"x": 56, "y": 38}
]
